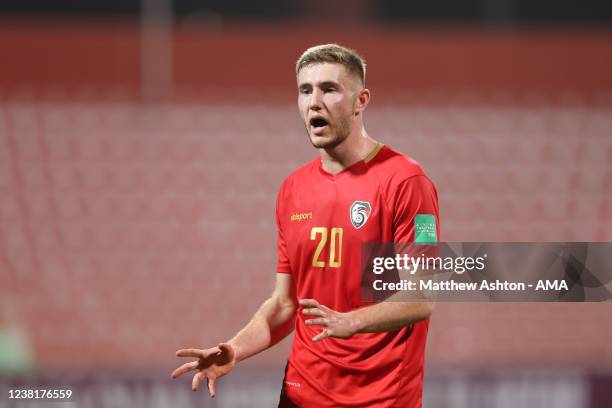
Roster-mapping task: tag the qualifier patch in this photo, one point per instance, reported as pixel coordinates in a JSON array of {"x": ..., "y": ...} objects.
[{"x": 425, "y": 229}]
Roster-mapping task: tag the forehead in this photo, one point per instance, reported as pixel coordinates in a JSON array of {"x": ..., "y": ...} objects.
[{"x": 324, "y": 72}]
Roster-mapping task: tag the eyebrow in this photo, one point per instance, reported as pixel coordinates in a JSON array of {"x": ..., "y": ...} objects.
[{"x": 320, "y": 84}]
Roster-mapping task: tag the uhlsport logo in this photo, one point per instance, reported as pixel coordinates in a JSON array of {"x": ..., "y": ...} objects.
[
  {"x": 301, "y": 216},
  {"x": 360, "y": 212}
]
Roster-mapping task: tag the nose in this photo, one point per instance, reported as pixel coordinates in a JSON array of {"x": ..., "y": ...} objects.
[{"x": 315, "y": 100}]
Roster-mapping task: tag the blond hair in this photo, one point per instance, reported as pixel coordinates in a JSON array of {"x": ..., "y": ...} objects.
[{"x": 335, "y": 54}]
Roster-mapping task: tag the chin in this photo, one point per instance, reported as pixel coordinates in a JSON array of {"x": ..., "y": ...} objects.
[
  {"x": 322, "y": 143},
  {"x": 325, "y": 142}
]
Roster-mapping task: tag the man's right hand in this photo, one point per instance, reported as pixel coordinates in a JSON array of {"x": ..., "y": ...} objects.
[{"x": 212, "y": 363}]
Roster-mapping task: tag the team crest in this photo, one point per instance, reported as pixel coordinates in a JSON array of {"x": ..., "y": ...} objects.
[{"x": 360, "y": 212}]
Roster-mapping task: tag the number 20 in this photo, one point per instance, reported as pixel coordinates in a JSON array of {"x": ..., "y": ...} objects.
[{"x": 336, "y": 235}]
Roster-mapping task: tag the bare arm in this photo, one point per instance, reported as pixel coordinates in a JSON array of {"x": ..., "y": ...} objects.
[
  {"x": 392, "y": 314},
  {"x": 273, "y": 321},
  {"x": 388, "y": 316},
  {"x": 381, "y": 317}
]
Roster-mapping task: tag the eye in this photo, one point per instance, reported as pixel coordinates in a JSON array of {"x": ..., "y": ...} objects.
[{"x": 304, "y": 91}]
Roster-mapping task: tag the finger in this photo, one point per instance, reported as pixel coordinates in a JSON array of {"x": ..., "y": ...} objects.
[
  {"x": 211, "y": 387},
  {"x": 197, "y": 379},
  {"x": 189, "y": 352},
  {"x": 309, "y": 303},
  {"x": 321, "y": 321},
  {"x": 184, "y": 368},
  {"x": 323, "y": 335},
  {"x": 324, "y": 308},
  {"x": 315, "y": 311},
  {"x": 199, "y": 353}
]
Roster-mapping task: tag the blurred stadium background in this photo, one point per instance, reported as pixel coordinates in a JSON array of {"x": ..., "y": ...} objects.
[{"x": 142, "y": 145}]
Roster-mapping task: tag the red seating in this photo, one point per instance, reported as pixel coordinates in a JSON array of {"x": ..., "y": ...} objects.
[{"x": 122, "y": 221}]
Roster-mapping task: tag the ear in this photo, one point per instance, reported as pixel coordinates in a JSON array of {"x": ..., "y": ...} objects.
[{"x": 362, "y": 101}]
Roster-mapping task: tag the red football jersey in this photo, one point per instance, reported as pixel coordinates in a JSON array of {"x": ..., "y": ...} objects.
[{"x": 322, "y": 221}]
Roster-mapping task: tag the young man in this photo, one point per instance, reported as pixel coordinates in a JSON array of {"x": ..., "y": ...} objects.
[{"x": 346, "y": 353}]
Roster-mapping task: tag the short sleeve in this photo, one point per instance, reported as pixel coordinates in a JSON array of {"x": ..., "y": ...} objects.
[
  {"x": 283, "y": 265},
  {"x": 415, "y": 211}
]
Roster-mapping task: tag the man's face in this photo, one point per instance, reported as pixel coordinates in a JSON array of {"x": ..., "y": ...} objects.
[{"x": 327, "y": 95}]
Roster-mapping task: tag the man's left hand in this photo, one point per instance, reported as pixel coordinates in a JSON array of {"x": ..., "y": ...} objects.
[{"x": 335, "y": 324}]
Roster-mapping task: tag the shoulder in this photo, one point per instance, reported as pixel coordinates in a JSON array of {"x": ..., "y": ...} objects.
[
  {"x": 394, "y": 168},
  {"x": 405, "y": 186},
  {"x": 300, "y": 175}
]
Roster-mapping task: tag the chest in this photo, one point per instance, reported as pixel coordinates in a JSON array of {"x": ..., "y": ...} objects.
[{"x": 351, "y": 211}]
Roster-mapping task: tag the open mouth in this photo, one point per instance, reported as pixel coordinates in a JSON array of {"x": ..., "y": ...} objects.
[{"x": 318, "y": 122}]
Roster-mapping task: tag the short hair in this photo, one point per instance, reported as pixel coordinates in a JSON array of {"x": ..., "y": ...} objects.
[{"x": 335, "y": 54}]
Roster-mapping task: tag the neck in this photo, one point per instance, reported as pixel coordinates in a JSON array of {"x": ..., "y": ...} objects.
[{"x": 355, "y": 148}]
